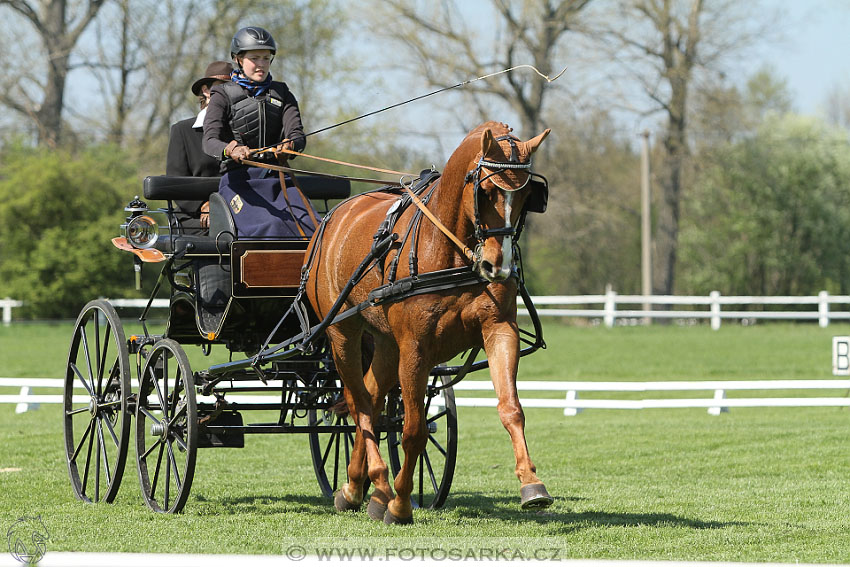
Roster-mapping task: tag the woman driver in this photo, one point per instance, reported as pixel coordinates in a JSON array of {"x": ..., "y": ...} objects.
[{"x": 252, "y": 111}]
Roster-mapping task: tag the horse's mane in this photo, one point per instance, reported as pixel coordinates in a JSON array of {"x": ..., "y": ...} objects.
[{"x": 458, "y": 163}]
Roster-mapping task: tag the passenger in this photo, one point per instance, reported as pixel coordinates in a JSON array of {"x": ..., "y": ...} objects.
[
  {"x": 185, "y": 155},
  {"x": 250, "y": 112}
]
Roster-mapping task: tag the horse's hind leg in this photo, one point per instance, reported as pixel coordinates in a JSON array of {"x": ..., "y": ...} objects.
[
  {"x": 381, "y": 377},
  {"x": 365, "y": 457},
  {"x": 502, "y": 347}
]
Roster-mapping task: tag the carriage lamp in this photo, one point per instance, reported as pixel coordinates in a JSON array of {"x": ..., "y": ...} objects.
[{"x": 142, "y": 231}]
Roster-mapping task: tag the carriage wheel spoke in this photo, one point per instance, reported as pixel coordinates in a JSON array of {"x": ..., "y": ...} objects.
[
  {"x": 148, "y": 414},
  {"x": 179, "y": 440},
  {"x": 167, "y": 478},
  {"x": 88, "y": 457},
  {"x": 177, "y": 415},
  {"x": 430, "y": 471},
  {"x": 438, "y": 415},
  {"x": 156, "y": 469},
  {"x": 163, "y": 403},
  {"x": 336, "y": 461},
  {"x": 437, "y": 445},
  {"x": 166, "y": 398},
  {"x": 421, "y": 497},
  {"x": 82, "y": 440},
  {"x": 102, "y": 441},
  {"x": 328, "y": 449},
  {"x": 85, "y": 340},
  {"x": 173, "y": 460},
  {"x": 96, "y": 432},
  {"x": 114, "y": 373},
  {"x": 95, "y": 379},
  {"x": 83, "y": 380},
  {"x": 151, "y": 448},
  {"x": 76, "y": 411},
  {"x": 111, "y": 431},
  {"x": 175, "y": 395}
]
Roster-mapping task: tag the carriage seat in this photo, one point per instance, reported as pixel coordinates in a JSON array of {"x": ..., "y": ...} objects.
[
  {"x": 222, "y": 226},
  {"x": 170, "y": 187}
]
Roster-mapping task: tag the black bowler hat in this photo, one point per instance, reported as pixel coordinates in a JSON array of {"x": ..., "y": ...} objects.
[{"x": 216, "y": 71}]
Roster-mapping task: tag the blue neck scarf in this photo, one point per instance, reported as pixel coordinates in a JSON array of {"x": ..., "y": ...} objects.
[{"x": 254, "y": 88}]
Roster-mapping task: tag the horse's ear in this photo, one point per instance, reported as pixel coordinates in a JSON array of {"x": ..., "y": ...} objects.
[
  {"x": 487, "y": 141},
  {"x": 533, "y": 143}
]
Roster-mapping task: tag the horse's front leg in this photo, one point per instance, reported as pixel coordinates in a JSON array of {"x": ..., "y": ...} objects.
[{"x": 501, "y": 343}]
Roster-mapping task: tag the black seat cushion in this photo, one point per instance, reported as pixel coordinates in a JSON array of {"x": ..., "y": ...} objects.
[{"x": 169, "y": 187}]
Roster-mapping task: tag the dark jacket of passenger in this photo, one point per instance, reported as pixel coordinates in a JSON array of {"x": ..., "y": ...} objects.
[{"x": 185, "y": 156}]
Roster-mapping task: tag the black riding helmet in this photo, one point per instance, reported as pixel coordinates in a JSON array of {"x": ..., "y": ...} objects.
[{"x": 251, "y": 38}]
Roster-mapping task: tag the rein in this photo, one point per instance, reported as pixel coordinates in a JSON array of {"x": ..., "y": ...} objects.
[
  {"x": 425, "y": 211},
  {"x": 286, "y": 169}
]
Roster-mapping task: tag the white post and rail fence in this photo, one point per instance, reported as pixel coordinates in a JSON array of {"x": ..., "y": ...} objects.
[
  {"x": 569, "y": 393},
  {"x": 612, "y": 308}
]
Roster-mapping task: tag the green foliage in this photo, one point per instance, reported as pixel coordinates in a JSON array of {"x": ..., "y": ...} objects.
[
  {"x": 58, "y": 212},
  {"x": 771, "y": 214},
  {"x": 590, "y": 234}
]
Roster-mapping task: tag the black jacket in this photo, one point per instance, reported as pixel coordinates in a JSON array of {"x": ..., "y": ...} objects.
[
  {"x": 218, "y": 124},
  {"x": 185, "y": 155},
  {"x": 186, "y": 158}
]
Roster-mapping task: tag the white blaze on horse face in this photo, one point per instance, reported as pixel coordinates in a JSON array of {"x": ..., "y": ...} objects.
[{"x": 507, "y": 241}]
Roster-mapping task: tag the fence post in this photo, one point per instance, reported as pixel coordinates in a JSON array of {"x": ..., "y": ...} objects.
[
  {"x": 717, "y": 410},
  {"x": 610, "y": 307},
  {"x": 823, "y": 309},
  {"x": 715, "y": 310},
  {"x": 572, "y": 396},
  {"x": 7, "y": 311}
]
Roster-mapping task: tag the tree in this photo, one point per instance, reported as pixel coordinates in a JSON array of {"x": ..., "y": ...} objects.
[
  {"x": 666, "y": 46},
  {"x": 590, "y": 235},
  {"x": 58, "y": 31},
  {"x": 58, "y": 212},
  {"x": 771, "y": 216},
  {"x": 446, "y": 49}
]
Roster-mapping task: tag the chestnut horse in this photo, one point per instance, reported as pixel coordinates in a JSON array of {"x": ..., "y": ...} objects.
[{"x": 414, "y": 334}]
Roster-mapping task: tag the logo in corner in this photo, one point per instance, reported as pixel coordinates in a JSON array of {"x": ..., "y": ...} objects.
[{"x": 28, "y": 539}]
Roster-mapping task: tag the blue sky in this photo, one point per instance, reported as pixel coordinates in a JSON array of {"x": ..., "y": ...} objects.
[{"x": 815, "y": 55}]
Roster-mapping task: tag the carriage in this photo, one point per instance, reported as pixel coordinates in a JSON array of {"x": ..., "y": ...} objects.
[{"x": 247, "y": 296}]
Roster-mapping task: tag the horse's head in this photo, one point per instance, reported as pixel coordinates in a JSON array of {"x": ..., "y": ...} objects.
[{"x": 498, "y": 178}]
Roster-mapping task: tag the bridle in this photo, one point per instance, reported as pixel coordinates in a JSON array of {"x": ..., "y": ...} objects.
[
  {"x": 512, "y": 231},
  {"x": 474, "y": 177}
]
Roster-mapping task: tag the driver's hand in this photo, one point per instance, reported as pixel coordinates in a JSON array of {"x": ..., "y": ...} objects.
[
  {"x": 239, "y": 153},
  {"x": 205, "y": 215},
  {"x": 284, "y": 145}
]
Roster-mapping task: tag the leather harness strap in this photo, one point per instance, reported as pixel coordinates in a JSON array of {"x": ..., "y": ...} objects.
[
  {"x": 318, "y": 173},
  {"x": 458, "y": 242},
  {"x": 338, "y": 162}
]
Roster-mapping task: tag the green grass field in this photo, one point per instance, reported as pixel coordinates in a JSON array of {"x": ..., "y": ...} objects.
[{"x": 751, "y": 485}]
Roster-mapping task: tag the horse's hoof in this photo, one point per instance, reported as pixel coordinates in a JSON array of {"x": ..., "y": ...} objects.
[
  {"x": 376, "y": 510},
  {"x": 343, "y": 505},
  {"x": 390, "y": 518},
  {"x": 535, "y": 497}
]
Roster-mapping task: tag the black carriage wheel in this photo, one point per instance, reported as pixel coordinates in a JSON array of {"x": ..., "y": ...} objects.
[
  {"x": 96, "y": 421},
  {"x": 435, "y": 468},
  {"x": 166, "y": 428},
  {"x": 331, "y": 450}
]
